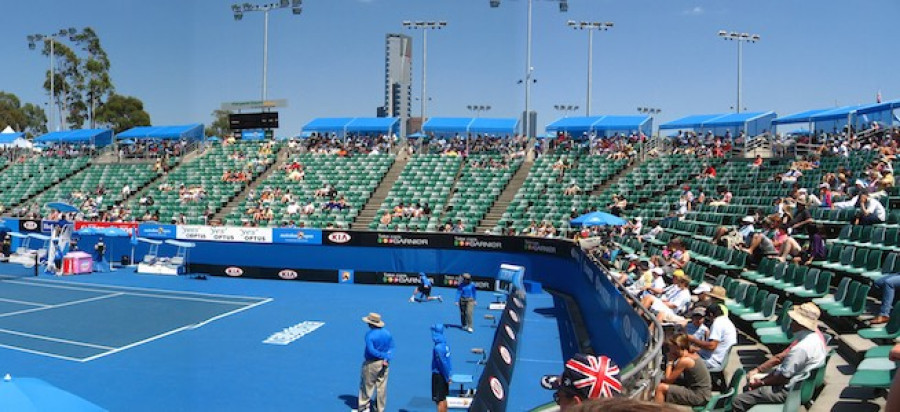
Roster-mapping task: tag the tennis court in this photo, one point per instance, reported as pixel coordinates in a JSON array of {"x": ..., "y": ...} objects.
[{"x": 83, "y": 322}]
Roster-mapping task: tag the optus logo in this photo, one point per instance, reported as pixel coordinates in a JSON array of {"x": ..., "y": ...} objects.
[{"x": 288, "y": 274}]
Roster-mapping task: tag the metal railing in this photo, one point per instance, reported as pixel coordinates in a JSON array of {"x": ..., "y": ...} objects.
[{"x": 643, "y": 374}]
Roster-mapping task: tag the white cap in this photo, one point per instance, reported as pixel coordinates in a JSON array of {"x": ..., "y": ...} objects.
[
  {"x": 748, "y": 219},
  {"x": 657, "y": 271},
  {"x": 703, "y": 288}
]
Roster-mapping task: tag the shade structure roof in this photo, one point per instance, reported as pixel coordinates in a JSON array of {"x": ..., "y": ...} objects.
[
  {"x": 802, "y": 117},
  {"x": 714, "y": 120},
  {"x": 605, "y": 123},
  {"x": 7, "y": 138},
  {"x": 98, "y": 137},
  {"x": 879, "y": 107},
  {"x": 479, "y": 125},
  {"x": 189, "y": 131},
  {"x": 352, "y": 124},
  {"x": 690, "y": 122}
]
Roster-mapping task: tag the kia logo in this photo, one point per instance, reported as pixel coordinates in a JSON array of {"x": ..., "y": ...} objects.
[
  {"x": 288, "y": 274},
  {"x": 234, "y": 271},
  {"x": 497, "y": 388},
  {"x": 30, "y": 225},
  {"x": 504, "y": 353},
  {"x": 339, "y": 237}
]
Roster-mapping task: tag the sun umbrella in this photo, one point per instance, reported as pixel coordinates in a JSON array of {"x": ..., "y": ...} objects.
[
  {"x": 598, "y": 219},
  {"x": 32, "y": 394},
  {"x": 62, "y": 207},
  {"x": 86, "y": 231}
]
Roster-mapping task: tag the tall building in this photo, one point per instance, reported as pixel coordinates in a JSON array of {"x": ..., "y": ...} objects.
[{"x": 398, "y": 76}]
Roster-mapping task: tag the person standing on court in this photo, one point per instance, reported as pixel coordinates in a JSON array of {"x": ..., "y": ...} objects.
[
  {"x": 465, "y": 297},
  {"x": 441, "y": 367},
  {"x": 374, "y": 376}
]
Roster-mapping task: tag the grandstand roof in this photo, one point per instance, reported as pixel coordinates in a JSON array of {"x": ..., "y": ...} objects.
[
  {"x": 352, "y": 124},
  {"x": 188, "y": 131},
  {"x": 6, "y": 138},
  {"x": 470, "y": 125},
  {"x": 836, "y": 114},
  {"x": 879, "y": 107},
  {"x": 802, "y": 117},
  {"x": 97, "y": 137},
  {"x": 753, "y": 123},
  {"x": 603, "y": 124}
]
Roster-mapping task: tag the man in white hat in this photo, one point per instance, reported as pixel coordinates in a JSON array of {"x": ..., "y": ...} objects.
[
  {"x": 374, "y": 376},
  {"x": 808, "y": 352}
]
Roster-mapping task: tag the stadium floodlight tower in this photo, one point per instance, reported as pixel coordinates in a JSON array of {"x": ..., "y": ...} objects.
[
  {"x": 565, "y": 108},
  {"x": 296, "y": 7},
  {"x": 648, "y": 110},
  {"x": 740, "y": 38},
  {"x": 529, "y": 70},
  {"x": 590, "y": 26},
  {"x": 478, "y": 109},
  {"x": 33, "y": 39},
  {"x": 425, "y": 26}
]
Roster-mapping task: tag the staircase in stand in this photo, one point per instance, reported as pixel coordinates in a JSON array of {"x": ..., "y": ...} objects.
[
  {"x": 496, "y": 211},
  {"x": 598, "y": 189},
  {"x": 367, "y": 214}
]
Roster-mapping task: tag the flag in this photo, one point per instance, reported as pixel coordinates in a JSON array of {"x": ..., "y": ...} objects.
[
  {"x": 598, "y": 375},
  {"x": 878, "y": 97}
]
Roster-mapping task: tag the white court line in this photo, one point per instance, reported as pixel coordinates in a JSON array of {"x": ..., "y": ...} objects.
[
  {"x": 22, "y": 302},
  {"x": 48, "y": 338},
  {"x": 37, "y": 352},
  {"x": 224, "y": 302},
  {"x": 171, "y": 332},
  {"x": 214, "y": 318},
  {"x": 74, "y": 302},
  {"x": 30, "y": 281}
]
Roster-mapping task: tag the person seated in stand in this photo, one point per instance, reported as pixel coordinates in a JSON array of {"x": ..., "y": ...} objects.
[
  {"x": 687, "y": 380},
  {"x": 674, "y": 300},
  {"x": 807, "y": 352},
  {"x": 760, "y": 246},
  {"x": 724, "y": 199},
  {"x": 572, "y": 189},
  {"x": 722, "y": 336},
  {"x": 871, "y": 211},
  {"x": 696, "y": 328}
]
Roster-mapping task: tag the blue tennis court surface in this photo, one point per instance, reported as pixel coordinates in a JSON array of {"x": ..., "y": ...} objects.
[
  {"x": 85, "y": 322},
  {"x": 149, "y": 343}
]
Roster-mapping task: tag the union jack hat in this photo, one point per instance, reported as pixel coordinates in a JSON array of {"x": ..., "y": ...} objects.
[{"x": 587, "y": 376}]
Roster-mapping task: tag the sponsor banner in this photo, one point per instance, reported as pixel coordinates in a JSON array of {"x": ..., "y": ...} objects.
[
  {"x": 224, "y": 233},
  {"x": 388, "y": 239},
  {"x": 47, "y": 226},
  {"x": 548, "y": 246},
  {"x": 255, "y": 272},
  {"x": 293, "y": 333},
  {"x": 29, "y": 226},
  {"x": 481, "y": 242},
  {"x": 156, "y": 231},
  {"x": 126, "y": 226},
  {"x": 452, "y": 281},
  {"x": 340, "y": 237},
  {"x": 297, "y": 236}
]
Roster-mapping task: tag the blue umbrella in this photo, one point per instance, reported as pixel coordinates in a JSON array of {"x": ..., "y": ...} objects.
[
  {"x": 62, "y": 207},
  {"x": 86, "y": 231},
  {"x": 32, "y": 394},
  {"x": 126, "y": 142},
  {"x": 416, "y": 135},
  {"x": 213, "y": 139},
  {"x": 112, "y": 232},
  {"x": 598, "y": 219}
]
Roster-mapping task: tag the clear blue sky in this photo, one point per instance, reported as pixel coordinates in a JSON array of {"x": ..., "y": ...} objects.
[{"x": 184, "y": 58}]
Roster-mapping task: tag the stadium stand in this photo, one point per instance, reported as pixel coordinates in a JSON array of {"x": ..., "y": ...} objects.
[
  {"x": 482, "y": 180},
  {"x": 354, "y": 179},
  {"x": 426, "y": 180},
  {"x": 22, "y": 180}
]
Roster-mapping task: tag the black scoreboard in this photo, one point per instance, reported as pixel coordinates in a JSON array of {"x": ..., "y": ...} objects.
[{"x": 242, "y": 121}]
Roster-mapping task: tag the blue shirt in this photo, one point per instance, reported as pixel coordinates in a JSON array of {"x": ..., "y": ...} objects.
[
  {"x": 426, "y": 282},
  {"x": 379, "y": 344},
  {"x": 440, "y": 359},
  {"x": 465, "y": 291}
]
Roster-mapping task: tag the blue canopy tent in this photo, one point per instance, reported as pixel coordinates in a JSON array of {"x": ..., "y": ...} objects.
[
  {"x": 14, "y": 140},
  {"x": 834, "y": 120},
  {"x": 799, "y": 118},
  {"x": 344, "y": 125},
  {"x": 188, "y": 132},
  {"x": 470, "y": 125},
  {"x": 882, "y": 113},
  {"x": 96, "y": 137},
  {"x": 751, "y": 123},
  {"x": 597, "y": 219},
  {"x": 602, "y": 126}
]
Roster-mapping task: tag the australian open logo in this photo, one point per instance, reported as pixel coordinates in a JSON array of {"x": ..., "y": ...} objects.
[
  {"x": 234, "y": 271},
  {"x": 288, "y": 274},
  {"x": 474, "y": 242},
  {"x": 532, "y": 246}
]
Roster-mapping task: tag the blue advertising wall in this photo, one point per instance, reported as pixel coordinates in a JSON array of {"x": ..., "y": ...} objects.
[{"x": 612, "y": 325}]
